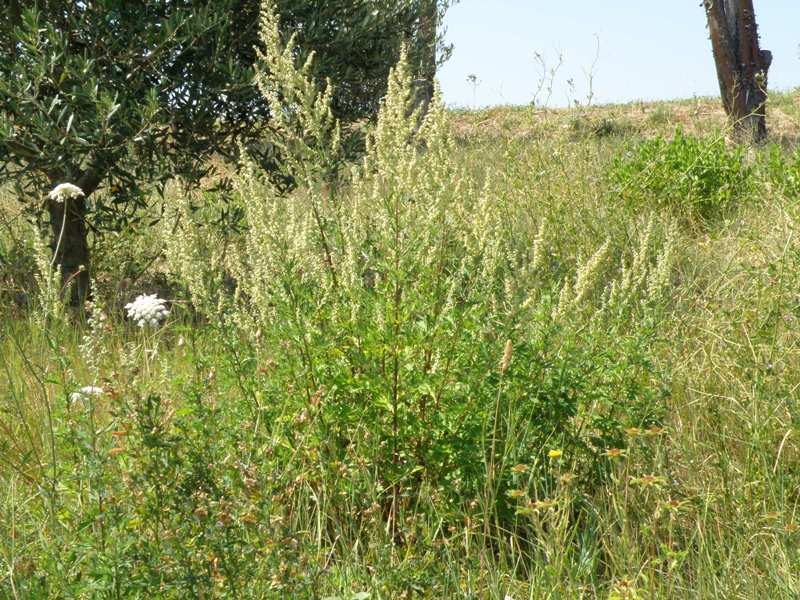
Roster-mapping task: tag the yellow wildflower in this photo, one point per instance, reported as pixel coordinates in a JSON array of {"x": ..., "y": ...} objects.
[{"x": 648, "y": 480}]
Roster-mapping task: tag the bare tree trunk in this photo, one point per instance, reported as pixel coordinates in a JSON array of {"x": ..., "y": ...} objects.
[
  {"x": 69, "y": 241},
  {"x": 14, "y": 16},
  {"x": 428, "y": 29},
  {"x": 742, "y": 66},
  {"x": 70, "y": 246}
]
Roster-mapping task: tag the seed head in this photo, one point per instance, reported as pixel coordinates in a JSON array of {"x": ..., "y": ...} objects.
[{"x": 506, "y": 356}]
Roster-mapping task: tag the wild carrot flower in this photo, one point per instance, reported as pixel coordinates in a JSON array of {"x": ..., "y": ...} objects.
[
  {"x": 65, "y": 191},
  {"x": 147, "y": 310},
  {"x": 85, "y": 392}
]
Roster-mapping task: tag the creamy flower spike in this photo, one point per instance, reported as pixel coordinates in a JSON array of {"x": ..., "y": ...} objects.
[
  {"x": 147, "y": 311},
  {"x": 65, "y": 191}
]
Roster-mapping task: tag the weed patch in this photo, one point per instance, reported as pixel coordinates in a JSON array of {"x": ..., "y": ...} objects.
[{"x": 700, "y": 178}]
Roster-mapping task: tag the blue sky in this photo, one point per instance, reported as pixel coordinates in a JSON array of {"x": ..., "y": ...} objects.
[{"x": 647, "y": 50}]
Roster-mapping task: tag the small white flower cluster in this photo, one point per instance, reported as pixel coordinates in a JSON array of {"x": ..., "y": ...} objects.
[
  {"x": 147, "y": 310},
  {"x": 85, "y": 392},
  {"x": 65, "y": 191}
]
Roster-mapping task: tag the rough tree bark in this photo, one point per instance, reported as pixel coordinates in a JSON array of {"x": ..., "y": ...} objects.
[
  {"x": 742, "y": 66},
  {"x": 69, "y": 241},
  {"x": 70, "y": 247}
]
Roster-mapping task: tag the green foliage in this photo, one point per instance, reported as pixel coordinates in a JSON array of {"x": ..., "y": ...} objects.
[
  {"x": 700, "y": 177},
  {"x": 449, "y": 372},
  {"x": 126, "y": 96},
  {"x": 159, "y": 498},
  {"x": 583, "y": 127},
  {"x": 392, "y": 305},
  {"x": 122, "y": 94},
  {"x": 16, "y": 261},
  {"x": 660, "y": 115},
  {"x": 356, "y": 42},
  {"x": 783, "y": 171}
]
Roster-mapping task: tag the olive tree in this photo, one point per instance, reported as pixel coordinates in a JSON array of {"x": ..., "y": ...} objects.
[
  {"x": 122, "y": 96},
  {"x": 356, "y": 42}
]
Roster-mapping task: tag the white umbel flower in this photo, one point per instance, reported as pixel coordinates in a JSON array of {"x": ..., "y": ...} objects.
[
  {"x": 65, "y": 191},
  {"x": 147, "y": 311},
  {"x": 85, "y": 392}
]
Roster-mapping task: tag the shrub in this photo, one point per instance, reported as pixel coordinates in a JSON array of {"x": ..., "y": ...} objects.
[
  {"x": 699, "y": 177},
  {"x": 660, "y": 115},
  {"x": 782, "y": 171},
  {"x": 391, "y": 362},
  {"x": 383, "y": 311},
  {"x": 583, "y": 127}
]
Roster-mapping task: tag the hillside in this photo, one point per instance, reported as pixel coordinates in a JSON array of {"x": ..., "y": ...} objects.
[{"x": 697, "y": 116}]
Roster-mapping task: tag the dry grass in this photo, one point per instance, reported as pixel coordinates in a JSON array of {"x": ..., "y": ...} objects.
[{"x": 697, "y": 117}]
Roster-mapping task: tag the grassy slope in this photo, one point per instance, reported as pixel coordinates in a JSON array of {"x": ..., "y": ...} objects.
[
  {"x": 720, "y": 520},
  {"x": 697, "y": 116}
]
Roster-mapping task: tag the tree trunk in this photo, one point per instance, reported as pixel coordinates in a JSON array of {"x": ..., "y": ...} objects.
[
  {"x": 742, "y": 66},
  {"x": 428, "y": 29},
  {"x": 70, "y": 246},
  {"x": 14, "y": 12},
  {"x": 14, "y": 16},
  {"x": 69, "y": 242}
]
